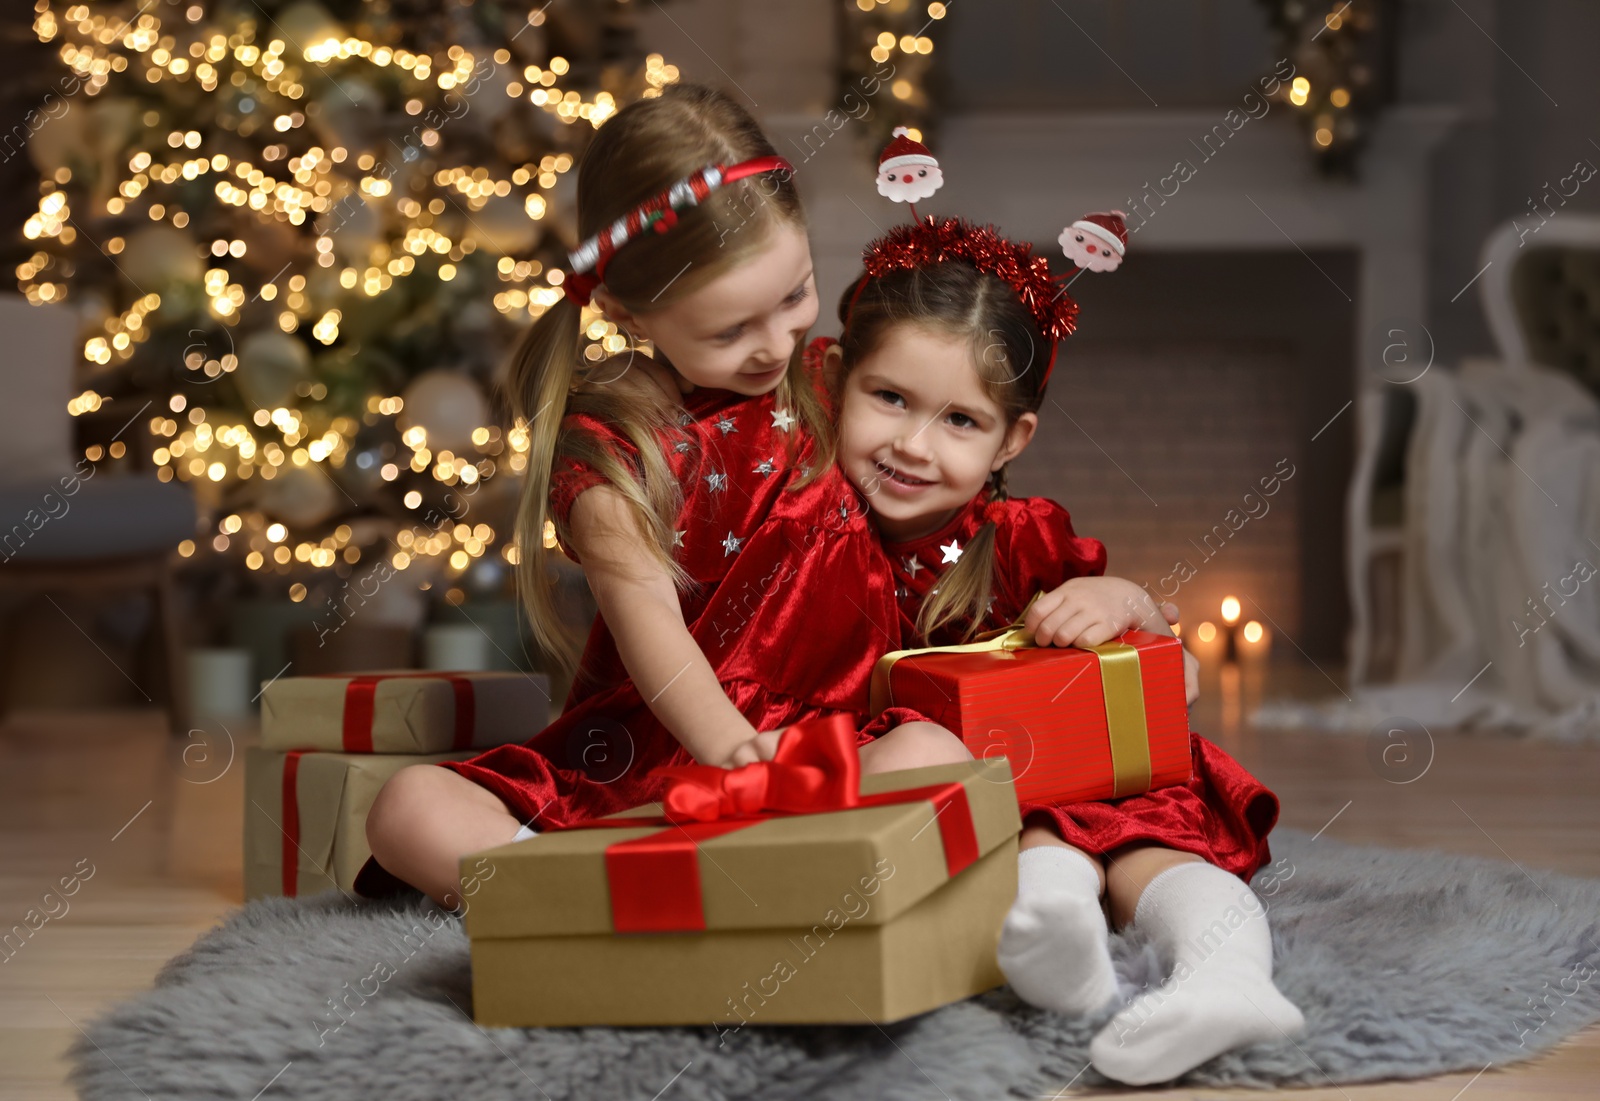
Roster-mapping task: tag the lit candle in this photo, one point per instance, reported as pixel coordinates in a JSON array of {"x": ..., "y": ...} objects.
[
  {"x": 1205, "y": 645},
  {"x": 1257, "y": 641},
  {"x": 1230, "y": 619}
]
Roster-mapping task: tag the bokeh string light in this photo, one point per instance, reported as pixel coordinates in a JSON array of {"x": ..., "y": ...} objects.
[
  {"x": 305, "y": 235},
  {"x": 891, "y": 37},
  {"x": 1344, "y": 57}
]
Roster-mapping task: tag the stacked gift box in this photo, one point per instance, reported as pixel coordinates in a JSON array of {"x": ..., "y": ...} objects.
[{"x": 329, "y": 743}]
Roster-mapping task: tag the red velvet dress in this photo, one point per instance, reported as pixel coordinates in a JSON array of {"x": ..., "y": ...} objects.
[
  {"x": 793, "y": 604},
  {"x": 795, "y": 600},
  {"x": 1222, "y": 814}
]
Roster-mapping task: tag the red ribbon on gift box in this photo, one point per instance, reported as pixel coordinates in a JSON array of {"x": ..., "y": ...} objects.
[
  {"x": 291, "y": 824},
  {"x": 655, "y": 880},
  {"x": 360, "y": 700}
]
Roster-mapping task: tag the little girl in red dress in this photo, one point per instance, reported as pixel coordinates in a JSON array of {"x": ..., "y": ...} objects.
[
  {"x": 653, "y": 472},
  {"x": 948, "y": 343}
]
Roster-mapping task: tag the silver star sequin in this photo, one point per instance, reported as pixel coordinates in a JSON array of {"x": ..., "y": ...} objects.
[
  {"x": 782, "y": 419},
  {"x": 912, "y": 565},
  {"x": 766, "y": 468},
  {"x": 685, "y": 417},
  {"x": 952, "y": 552},
  {"x": 727, "y": 425},
  {"x": 681, "y": 446},
  {"x": 717, "y": 480},
  {"x": 730, "y": 544},
  {"x": 677, "y": 538}
]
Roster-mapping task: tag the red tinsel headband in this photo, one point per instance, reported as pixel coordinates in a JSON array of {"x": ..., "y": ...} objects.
[
  {"x": 588, "y": 261},
  {"x": 931, "y": 241}
]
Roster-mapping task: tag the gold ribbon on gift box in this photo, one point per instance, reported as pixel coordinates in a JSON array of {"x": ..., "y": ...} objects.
[{"x": 1120, "y": 681}]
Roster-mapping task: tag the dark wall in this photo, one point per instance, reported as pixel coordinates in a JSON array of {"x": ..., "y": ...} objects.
[{"x": 1277, "y": 297}]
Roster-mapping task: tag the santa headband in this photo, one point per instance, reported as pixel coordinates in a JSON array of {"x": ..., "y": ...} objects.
[
  {"x": 1109, "y": 228},
  {"x": 1095, "y": 242},
  {"x": 932, "y": 241},
  {"x": 588, "y": 261}
]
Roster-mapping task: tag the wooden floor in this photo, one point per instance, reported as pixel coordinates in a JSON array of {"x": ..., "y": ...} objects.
[{"x": 157, "y": 820}]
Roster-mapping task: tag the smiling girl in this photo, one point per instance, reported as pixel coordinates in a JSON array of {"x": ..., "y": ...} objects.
[
  {"x": 949, "y": 339},
  {"x": 652, "y": 471}
]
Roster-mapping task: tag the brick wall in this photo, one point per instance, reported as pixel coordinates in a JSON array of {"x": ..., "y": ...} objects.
[{"x": 1153, "y": 447}]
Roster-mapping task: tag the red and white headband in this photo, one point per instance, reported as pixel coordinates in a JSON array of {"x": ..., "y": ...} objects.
[{"x": 588, "y": 261}]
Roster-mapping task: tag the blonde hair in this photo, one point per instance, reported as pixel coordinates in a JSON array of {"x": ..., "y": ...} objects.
[
  {"x": 1011, "y": 356},
  {"x": 644, "y": 149}
]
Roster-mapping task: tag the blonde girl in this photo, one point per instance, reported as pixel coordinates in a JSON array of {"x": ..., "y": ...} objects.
[{"x": 693, "y": 241}]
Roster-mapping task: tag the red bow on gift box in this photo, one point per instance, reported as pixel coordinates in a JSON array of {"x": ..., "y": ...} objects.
[
  {"x": 816, "y": 767},
  {"x": 654, "y": 880}
]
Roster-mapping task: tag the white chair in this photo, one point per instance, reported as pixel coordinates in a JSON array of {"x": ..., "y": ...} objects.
[{"x": 1540, "y": 293}]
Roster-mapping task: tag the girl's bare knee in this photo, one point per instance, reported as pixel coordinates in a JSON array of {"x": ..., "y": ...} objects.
[
  {"x": 935, "y": 745},
  {"x": 914, "y": 745},
  {"x": 400, "y": 802}
]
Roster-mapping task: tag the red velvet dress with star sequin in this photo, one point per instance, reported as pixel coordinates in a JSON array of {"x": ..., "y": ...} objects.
[
  {"x": 1223, "y": 814},
  {"x": 792, "y": 605}
]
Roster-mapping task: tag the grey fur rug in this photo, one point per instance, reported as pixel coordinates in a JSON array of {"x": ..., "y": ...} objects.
[{"x": 1406, "y": 964}]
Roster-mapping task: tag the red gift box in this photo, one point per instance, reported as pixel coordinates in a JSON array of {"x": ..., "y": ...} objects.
[{"x": 1078, "y": 725}]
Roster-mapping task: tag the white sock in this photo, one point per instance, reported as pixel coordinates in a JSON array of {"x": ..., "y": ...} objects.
[
  {"x": 1220, "y": 994},
  {"x": 1054, "y": 944},
  {"x": 523, "y": 833}
]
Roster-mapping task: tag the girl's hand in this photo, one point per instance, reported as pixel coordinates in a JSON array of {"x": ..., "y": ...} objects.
[
  {"x": 760, "y": 748},
  {"x": 1191, "y": 664},
  {"x": 1191, "y": 676},
  {"x": 1087, "y": 611}
]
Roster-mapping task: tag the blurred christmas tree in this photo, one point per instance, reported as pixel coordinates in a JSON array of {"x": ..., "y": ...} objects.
[
  {"x": 889, "y": 41},
  {"x": 302, "y": 237}
]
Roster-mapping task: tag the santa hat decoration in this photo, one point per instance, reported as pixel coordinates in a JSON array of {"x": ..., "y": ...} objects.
[
  {"x": 906, "y": 170},
  {"x": 1096, "y": 242}
]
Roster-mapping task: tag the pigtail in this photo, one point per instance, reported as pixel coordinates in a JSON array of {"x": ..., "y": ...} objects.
[
  {"x": 537, "y": 384},
  {"x": 966, "y": 588},
  {"x": 545, "y": 384}
]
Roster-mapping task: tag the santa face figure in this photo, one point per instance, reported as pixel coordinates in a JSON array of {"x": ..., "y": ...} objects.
[
  {"x": 907, "y": 183},
  {"x": 1088, "y": 249}
]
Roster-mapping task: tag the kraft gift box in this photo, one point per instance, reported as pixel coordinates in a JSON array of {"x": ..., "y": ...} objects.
[
  {"x": 871, "y": 914},
  {"x": 403, "y": 711},
  {"x": 305, "y": 816}
]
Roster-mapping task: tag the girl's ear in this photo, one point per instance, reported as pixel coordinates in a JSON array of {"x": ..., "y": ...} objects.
[
  {"x": 615, "y": 311},
  {"x": 1018, "y": 436},
  {"x": 832, "y": 367}
]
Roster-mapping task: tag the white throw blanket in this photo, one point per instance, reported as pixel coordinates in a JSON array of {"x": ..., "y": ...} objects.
[{"x": 1500, "y": 585}]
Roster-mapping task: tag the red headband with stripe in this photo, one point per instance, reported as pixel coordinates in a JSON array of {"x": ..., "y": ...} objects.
[{"x": 588, "y": 261}]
